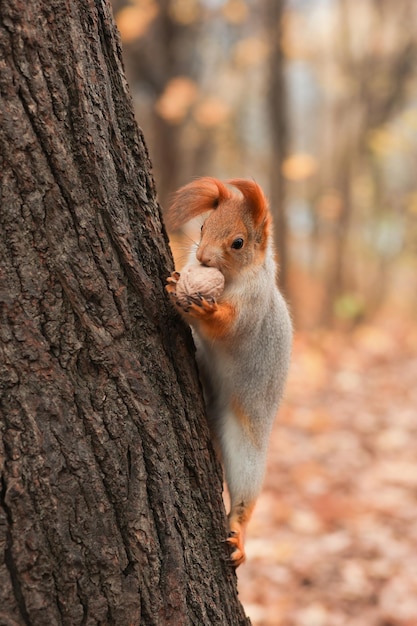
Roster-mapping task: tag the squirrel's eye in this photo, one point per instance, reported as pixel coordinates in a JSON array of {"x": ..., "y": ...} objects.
[{"x": 237, "y": 244}]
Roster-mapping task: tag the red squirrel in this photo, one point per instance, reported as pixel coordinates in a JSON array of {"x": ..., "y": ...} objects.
[{"x": 243, "y": 338}]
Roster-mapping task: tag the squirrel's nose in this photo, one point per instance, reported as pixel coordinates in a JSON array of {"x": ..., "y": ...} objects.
[{"x": 205, "y": 256}]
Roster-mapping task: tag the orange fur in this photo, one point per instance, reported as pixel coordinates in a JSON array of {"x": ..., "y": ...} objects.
[
  {"x": 218, "y": 324},
  {"x": 258, "y": 207},
  {"x": 254, "y": 196},
  {"x": 244, "y": 420},
  {"x": 200, "y": 196},
  {"x": 238, "y": 523}
]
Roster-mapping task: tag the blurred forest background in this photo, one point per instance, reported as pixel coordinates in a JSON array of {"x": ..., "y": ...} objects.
[
  {"x": 317, "y": 101},
  {"x": 314, "y": 99}
]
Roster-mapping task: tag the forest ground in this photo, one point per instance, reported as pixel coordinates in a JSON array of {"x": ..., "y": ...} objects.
[{"x": 333, "y": 540}]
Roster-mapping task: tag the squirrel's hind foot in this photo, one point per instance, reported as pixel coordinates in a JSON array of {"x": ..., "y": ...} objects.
[
  {"x": 236, "y": 541},
  {"x": 238, "y": 521}
]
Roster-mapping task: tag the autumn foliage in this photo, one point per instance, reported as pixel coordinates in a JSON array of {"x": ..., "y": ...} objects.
[{"x": 332, "y": 540}]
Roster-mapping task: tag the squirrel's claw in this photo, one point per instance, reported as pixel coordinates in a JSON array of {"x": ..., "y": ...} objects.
[
  {"x": 172, "y": 281},
  {"x": 236, "y": 536},
  {"x": 199, "y": 306},
  {"x": 174, "y": 278},
  {"x": 171, "y": 289},
  {"x": 238, "y": 555}
]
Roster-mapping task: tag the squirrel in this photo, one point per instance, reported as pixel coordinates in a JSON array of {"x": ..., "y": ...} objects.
[{"x": 243, "y": 339}]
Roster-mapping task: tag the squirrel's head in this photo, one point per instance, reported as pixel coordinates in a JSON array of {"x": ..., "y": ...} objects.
[{"x": 235, "y": 233}]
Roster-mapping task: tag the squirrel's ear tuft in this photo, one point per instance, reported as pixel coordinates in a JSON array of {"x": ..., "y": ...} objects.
[
  {"x": 200, "y": 196},
  {"x": 254, "y": 197}
]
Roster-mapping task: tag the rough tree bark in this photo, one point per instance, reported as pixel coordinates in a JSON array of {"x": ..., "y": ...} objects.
[{"x": 110, "y": 506}]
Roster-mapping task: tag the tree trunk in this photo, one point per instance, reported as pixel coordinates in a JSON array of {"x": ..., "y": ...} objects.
[
  {"x": 279, "y": 136},
  {"x": 110, "y": 495}
]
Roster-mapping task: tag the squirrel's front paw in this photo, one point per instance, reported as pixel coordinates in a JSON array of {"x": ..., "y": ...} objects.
[
  {"x": 172, "y": 281},
  {"x": 198, "y": 306},
  {"x": 171, "y": 287},
  {"x": 195, "y": 305}
]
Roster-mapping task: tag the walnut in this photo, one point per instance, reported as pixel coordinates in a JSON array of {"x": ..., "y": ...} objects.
[{"x": 199, "y": 279}]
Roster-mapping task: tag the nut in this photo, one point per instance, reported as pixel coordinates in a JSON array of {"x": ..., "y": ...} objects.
[{"x": 199, "y": 279}]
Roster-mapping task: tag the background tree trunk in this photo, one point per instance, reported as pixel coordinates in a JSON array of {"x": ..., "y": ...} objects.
[
  {"x": 110, "y": 506},
  {"x": 277, "y": 105}
]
